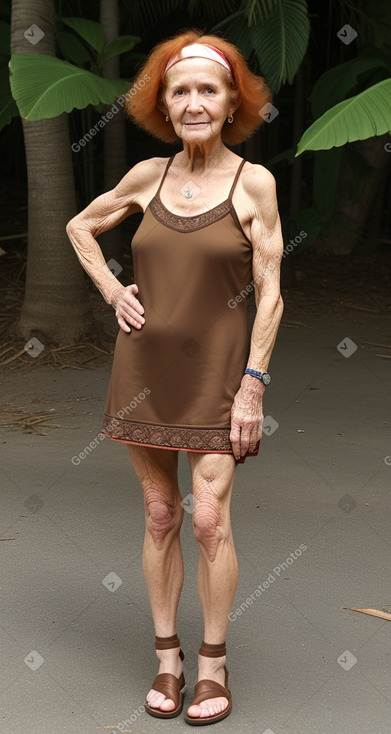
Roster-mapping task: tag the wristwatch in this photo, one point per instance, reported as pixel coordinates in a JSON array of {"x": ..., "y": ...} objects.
[{"x": 263, "y": 376}]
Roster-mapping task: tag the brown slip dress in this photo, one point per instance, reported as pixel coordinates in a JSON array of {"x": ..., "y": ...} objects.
[{"x": 173, "y": 381}]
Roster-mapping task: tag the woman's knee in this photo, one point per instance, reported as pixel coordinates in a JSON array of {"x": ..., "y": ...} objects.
[
  {"x": 209, "y": 522},
  {"x": 212, "y": 485},
  {"x": 164, "y": 513},
  {"x": 157, "y": 471}
]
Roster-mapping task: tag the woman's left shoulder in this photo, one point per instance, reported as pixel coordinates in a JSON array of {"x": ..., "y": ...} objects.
[{"x": 257, "y": 180}]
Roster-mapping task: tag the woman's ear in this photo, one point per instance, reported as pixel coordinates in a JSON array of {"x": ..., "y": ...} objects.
[
  {"x": 161, "y": 106},
  {"x": 235, "y": 103}
]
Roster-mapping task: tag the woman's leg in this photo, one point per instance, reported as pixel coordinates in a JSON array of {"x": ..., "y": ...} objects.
[
  {"x": 213, "y": 478},
  {"x": 157, "y": 471}
]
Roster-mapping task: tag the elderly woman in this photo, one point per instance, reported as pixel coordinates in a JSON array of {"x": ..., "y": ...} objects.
[{"x": 185, "y": 375}]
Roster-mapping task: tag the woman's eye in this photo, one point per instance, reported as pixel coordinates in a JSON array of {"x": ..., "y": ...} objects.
[
  {"x": 209, "y": 90},
  {"x": 179, "y": 91}
]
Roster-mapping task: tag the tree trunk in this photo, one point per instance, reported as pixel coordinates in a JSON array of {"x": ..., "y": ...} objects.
[
  {"x": 350, "y": 216},
  {"x": 56, "y": 306},
  {"x": 114, "y": 141}
]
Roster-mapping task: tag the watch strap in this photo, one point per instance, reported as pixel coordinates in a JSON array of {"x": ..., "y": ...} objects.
[{"x": 255, "y": 373}]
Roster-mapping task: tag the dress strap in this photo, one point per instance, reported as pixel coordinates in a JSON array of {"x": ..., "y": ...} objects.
[
  {"x": 170, "y": 160},
  {"x": 238, "y": 172}
]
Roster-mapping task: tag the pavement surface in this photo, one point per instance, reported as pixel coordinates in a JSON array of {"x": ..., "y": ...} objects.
[{"x": 311, "y": 518}]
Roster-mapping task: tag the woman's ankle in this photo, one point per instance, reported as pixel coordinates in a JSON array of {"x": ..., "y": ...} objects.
[
  {"x": 210, "y": 667},
  {"x": 170, "y": 661}
]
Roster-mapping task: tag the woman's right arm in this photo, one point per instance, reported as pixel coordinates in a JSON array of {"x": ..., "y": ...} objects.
[{"x": 104, "y": 213}]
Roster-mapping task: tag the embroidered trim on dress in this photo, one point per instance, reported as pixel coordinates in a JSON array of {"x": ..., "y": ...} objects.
[
  {"x": 204, "y": 439},
  {"x": 188, "y": 224}
]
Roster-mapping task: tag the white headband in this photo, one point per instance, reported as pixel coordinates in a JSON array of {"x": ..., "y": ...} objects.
[{"x": 200, "y": 50}]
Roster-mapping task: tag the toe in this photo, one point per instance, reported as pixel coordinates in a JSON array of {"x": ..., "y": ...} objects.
[
  {"x": 208, "y": 708},
  {"x": 167, "y": 705},
  {"x": 158, "y": 701},
  {"x": 194, "y": 711}
]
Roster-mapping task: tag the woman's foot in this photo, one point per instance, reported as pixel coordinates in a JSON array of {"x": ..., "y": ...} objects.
[
  {"x": 170, "y": 662},
  {"x": 212, "y": 698},
  {"x": 210, "y": 669}
]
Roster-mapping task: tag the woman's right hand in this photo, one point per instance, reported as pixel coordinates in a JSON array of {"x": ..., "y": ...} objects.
[{"x": 128, "y": 309}]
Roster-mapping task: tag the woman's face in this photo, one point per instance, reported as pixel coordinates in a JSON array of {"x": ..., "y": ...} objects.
[{"x": 198, "y": 99}]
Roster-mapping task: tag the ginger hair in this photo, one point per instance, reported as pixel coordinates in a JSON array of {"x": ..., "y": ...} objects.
[{"x": 250, "y": 90}]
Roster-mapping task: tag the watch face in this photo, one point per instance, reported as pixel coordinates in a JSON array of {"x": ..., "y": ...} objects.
[{"x": 266, "y": 378}]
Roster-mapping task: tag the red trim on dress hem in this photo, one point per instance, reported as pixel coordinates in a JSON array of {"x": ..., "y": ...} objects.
[{"x": 191, "y": 451}]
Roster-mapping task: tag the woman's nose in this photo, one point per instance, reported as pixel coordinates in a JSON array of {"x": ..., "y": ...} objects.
[{"x": 194, "y": 102}]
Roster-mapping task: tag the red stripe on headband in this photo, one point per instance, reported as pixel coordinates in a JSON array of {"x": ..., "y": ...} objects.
[{"x": 220, "y": 53}]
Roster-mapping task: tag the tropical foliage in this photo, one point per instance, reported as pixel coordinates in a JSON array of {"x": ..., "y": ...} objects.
[
  {"x": 328, "y": 94},
  {"x": 45, "y": 86}
]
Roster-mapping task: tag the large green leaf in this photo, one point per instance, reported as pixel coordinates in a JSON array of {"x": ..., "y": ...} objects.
[
  {"x": 236, "y": 30},
  {"x": 120, "y": 45},
  {"x": 287, "y": 155},
  {"x": 279, "y": 42},
  {"x": 259, "y": 11},
  {"x": 333, "y": 86},
  {"x": 360, "y": 117},
  {"x": 44, "y": 86},
  {"x": 90, "y": 30}
]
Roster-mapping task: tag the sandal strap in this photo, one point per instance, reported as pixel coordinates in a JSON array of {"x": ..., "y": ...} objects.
[
  {"x": 213, "y": 651},
  {"x": 167, "y": 643},
  {"x": 169, "y": 686},
  {"x": 205, "y": 689}
]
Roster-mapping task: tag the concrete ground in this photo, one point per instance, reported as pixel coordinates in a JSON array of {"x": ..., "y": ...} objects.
[{"x": 311, "y": 518}]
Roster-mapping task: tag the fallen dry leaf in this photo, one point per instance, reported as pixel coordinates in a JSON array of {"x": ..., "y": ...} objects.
[{"x": 372, "y": 612}]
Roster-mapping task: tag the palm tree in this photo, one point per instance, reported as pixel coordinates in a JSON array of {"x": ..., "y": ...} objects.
[{"x": 56, "y": 306}]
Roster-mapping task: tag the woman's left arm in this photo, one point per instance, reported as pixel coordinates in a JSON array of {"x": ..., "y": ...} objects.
[{"x": 266, "y": 239}]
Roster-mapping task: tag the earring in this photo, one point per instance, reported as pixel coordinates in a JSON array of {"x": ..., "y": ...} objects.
[
  {"x": 230, "y": 119},
  {"x": 167, "y": 118}
]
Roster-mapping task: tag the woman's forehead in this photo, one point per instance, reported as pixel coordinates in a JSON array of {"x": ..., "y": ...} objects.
[{"x": 194, "y": 69}]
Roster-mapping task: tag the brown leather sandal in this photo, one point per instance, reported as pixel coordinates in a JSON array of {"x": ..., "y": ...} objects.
[
  {"x": 205, "y": 689},
  {"x": 167, "y": 683}
]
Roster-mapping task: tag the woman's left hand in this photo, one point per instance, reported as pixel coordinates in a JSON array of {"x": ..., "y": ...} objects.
[{"x": 247, "y": 416}]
